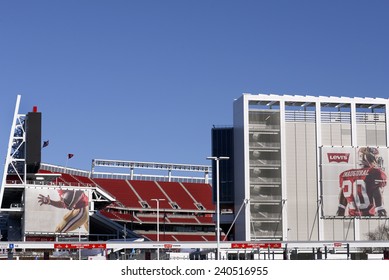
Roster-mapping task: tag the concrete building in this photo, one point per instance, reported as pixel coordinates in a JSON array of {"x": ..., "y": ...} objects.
[{"x": 289, "y": 152}]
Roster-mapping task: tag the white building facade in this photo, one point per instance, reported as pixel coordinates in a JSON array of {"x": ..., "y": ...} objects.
[{"x": 289, "y": 152}]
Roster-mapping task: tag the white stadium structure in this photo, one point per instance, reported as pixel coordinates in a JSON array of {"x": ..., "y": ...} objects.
[{"x": 290, "y": 178}]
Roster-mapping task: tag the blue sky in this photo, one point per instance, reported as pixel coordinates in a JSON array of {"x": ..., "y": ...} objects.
[{"x": 146, "y": 80}]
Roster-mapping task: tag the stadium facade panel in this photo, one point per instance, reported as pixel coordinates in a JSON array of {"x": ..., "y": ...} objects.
[{"x": 309, "y": 168}]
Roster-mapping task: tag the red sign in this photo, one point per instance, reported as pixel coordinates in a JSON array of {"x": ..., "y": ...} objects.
[
  {"x": 40, "y": 238},
  {"x": 338, "y": 157},
  {"x": 255, "y": 245},
  {"x": 80, "y": 245}
]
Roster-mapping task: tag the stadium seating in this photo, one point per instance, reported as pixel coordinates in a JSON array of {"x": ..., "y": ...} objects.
[
  {"x": 205, "y": 220},
  {"x": 182, "y": 219},
  {"x": 179, "y": 195},
  {"x": 68, "y": 179},
  {"x": 147, "y": 191},
  {"x": 201, "y": 192},
  {"x": 181, "y": 206},
  {"x": 84, "y": 180},
  {"x": 120, "y": 190}
]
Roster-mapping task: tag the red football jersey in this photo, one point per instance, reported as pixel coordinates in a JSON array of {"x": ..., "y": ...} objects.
[{"x": 358, "y": 186}]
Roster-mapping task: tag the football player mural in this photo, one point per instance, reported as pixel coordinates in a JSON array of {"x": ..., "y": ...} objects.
[
  {"x": 353, "y": 181},
  {"x": 361, "y": 190},
  {"x": 76, "y": 202}
]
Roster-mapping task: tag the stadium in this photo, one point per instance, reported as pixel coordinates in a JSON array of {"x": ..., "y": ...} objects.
[{"x": 275, "y": 194}]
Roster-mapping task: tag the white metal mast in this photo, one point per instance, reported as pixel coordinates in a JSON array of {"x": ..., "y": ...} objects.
[{"x": 17, "y": 139}]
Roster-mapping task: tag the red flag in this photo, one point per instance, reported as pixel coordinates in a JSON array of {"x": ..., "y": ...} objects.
[{"x": 70, "y": 156}]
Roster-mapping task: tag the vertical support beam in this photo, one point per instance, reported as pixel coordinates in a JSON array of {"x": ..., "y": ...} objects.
[
  {"x": 169, "y": 175},
  {"x": 246, "y": 167},
  {"x": 91, "y": 201},
  {"x": 354, "y": 143},
  {"x": 217, "y": 210},
  {"x": 206, "y": 177},
  {"x": 92, "y": 168},
  {"x": 284, "y": 197},
  {"x": 354, "y": 134},
  {"x": 217, "y": 160},
  {"x": 157, "y": 200},
  {"x": 386, "y": 122},
  {"x": 320, "y": 222}
]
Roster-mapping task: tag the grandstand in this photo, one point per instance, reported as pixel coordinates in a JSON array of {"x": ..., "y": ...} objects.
[
  {"x": 185, "y": 209},
  {"x": 121, "y": 205}
]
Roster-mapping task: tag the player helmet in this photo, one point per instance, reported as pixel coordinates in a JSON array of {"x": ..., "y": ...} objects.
[
  {"x": 369, "y": 156},
  {"x": 68, "y": 197}
]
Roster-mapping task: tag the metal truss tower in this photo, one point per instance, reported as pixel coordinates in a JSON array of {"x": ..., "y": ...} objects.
[{"x": 15, "y": 162}]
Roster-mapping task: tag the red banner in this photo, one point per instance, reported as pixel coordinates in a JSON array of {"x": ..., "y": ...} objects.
[
  {"x": 80, "y": 246},
  {"x": 255, "y": 245}
]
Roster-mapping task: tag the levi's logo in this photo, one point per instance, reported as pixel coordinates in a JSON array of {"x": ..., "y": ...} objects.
[{"x": 338, "y": 157}]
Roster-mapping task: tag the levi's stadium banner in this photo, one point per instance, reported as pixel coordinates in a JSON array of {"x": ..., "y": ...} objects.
[
  {"x": 56, "y": 210},
  {"x": 354, "y": 181}
]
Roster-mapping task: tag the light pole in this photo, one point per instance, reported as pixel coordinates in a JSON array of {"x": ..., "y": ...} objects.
[
  {"x": 79, "y": 241},
  {"x": 125, "y": 239},
  {"x": 157, "y": 200},
  {"x": 217, "y": 159}
]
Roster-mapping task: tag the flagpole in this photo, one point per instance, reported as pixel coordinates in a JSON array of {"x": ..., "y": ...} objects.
[{"x": 67, "y": 160}]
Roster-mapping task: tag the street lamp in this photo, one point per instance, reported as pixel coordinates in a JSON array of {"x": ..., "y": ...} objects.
[
  {"x": 79, "y": 241},
  {"x": 125, "y": 239},
  {"x": 217, "y": 159},
  {"x": 157, "y": 200}
]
